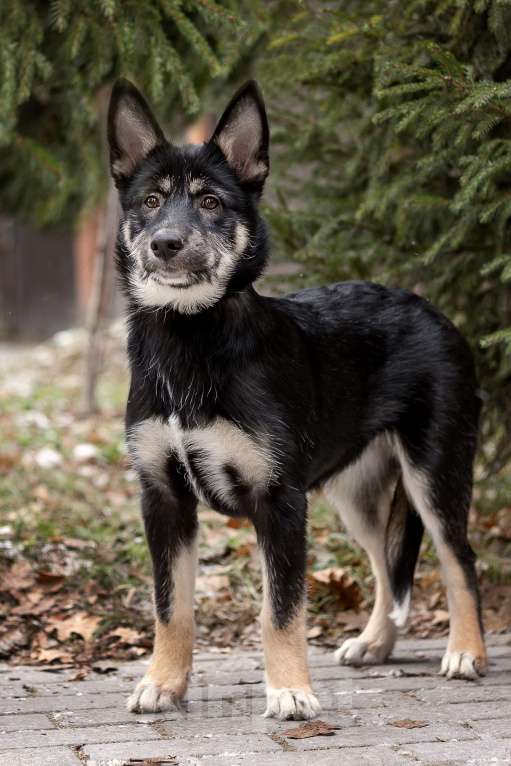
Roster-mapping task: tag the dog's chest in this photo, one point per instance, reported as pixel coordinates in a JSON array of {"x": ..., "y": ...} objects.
[{"x": 222, "y": 462}]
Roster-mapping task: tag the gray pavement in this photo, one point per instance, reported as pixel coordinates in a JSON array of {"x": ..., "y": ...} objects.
[{"x": 398, "y": 713}]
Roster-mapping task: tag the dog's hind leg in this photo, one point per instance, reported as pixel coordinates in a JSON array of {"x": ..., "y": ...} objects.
[
  {"x": 374, "y": 511},
  {"x": 171, "y": 528},
  {"x": 281, "y": 532},
  {"x": 440, "y": 487}
]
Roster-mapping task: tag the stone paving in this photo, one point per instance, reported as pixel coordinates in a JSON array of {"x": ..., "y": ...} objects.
[{"x": 48, "y": 718}]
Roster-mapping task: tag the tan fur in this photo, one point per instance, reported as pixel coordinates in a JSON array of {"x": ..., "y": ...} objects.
[
  {"x": 465, "y": 635},
  {"x": 196, "y": 185},
  {"x": 165, "y": 184},
  {"x": 285, "y": 650},
  {"x": 378, "y": 637},
  {"x": 380, "y": 632},
  {"x": 465, "y": 632},
  {"x": 172, "y": 656},
  {"x": 173, "y": 642}
]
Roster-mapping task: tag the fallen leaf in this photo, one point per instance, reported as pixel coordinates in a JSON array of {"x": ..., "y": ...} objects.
[
  {"x": 339, "y": 582},
  {"x": 19, "y": 577},
  {"x": 352, "y": 620},
  {"x": 242, "y": 551},
  {"x": 73, "y": 542},
  {"x": 81, "y": 623},
  {"x": 81, "y": 674},
  {"x": 128, "y": 636},
  {"x": 13, "y": 639},
  {"x": 237, "y": 522},
  {"x": 52, "y": 581},
  {"x": 440, "y": 616},
  {"x": 212, "y": 583},
  {"x": 50, "y": 655},
  {"x": 35, "y": 604},
  {"x": 310, "y": 729},
  {"x": 407, "y": 723},
  {"x": 8, "y": 460}
]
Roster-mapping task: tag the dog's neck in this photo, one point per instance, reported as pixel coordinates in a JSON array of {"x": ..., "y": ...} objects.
[{"x": 185, "y": 360}]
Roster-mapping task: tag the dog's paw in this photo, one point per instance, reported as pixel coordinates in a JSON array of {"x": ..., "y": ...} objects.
[
  {"x": 294, "y": 704},
  {"x": 355, "y": 651},
  {"x": 462, "y": 665},
  {"x": 150, "y": 697}
]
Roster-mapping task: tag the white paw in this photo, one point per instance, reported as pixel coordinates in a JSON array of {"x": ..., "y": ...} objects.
[
  {"x": 462, "y": 665},
  {"x": 355, "y": 651},
  {"x": 150, "y": 697},
  {"x": 295, "y": 704}
]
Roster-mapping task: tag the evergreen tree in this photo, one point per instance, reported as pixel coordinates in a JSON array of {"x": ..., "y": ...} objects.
[
  {"x": 394, "y": 161},
  {"x": 57, "y": 60}
]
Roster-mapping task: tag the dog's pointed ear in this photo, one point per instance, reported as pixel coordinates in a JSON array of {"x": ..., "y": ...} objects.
[
  {"x": 132, "y": 129},
  {"x": 242, "y": 135}
]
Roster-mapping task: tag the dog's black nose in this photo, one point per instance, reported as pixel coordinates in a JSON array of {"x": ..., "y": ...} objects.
[{"x": 166, "y": 245}]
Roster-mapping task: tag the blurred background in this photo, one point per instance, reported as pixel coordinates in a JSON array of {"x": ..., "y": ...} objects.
[{"x": 391, "y": 161}]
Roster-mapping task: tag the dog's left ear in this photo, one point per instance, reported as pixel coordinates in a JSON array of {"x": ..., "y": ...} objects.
[{"x": 242, "y": 135}]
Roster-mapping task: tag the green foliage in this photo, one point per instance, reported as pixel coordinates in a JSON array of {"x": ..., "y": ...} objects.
[
  {"x": 57, "y": 60},
  {"x": 393, "y": 159}
]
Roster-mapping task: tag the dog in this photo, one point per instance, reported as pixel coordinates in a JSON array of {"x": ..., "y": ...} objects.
[{"x": 246, "y": 403}]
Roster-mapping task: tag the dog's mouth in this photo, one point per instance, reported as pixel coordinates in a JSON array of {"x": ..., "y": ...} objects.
[
  {"x": 180, "y": 272},
  {"x": 181, "y": 280},
  {"x": 175, "y": 279}
]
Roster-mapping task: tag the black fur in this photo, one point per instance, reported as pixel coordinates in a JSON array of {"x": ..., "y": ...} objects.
[{"x": 321, "y": 373}]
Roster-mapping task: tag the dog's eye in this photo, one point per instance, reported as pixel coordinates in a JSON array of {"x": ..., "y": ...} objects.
[
  {"x": 152, "y": 201},
  {"x": 209, "y": 202}
]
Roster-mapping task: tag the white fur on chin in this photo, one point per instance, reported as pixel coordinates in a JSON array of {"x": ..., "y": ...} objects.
[{"x": 188, "y": 299}]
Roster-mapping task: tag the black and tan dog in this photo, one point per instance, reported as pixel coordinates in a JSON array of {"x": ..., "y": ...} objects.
[{"x": 246, "y": 403}]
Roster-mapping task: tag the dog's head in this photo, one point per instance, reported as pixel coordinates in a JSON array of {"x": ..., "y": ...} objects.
[{"x": 190, "y": 231}]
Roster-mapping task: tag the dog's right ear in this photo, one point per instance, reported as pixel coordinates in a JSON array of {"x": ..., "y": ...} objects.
[{"x": 132, "y": 129}]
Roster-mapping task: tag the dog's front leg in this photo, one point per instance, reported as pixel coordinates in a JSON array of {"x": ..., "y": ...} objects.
[
  {"x": 171, "y": 529},
  {"x": 281, "y": 531}
]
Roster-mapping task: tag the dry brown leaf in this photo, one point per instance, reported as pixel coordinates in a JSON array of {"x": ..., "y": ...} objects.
[
  {"x": 19, "y": 577},
  {"x": 8, "y": 460},
  {"x": 338, "y": 581},
  {"x": 310, "y": 729},
  {"x": 427, "y": 580},
  {"x": 128, "y": 636},
  {"x": 243, "y": 551},
  {"x": 50, "y": 655},
  {"x": 35, "y": 604},
  {"x": 212, "y": 583},
  {"x": 237, "y": 522},
  {"x": 73, "y": 542},
  {"x": 126, "y": 599},
  {"x": 352, "y": 620},
  {"x": 440, "y": 616},
  {"x": 407, "y": 723},
  {"x": 81, "y": 674},
  {"x": 13, "y": 639},
  {"x": 51, "y": 581},
  {"x": 502, "y": 527},
  {"x": 81, "y": 623}
]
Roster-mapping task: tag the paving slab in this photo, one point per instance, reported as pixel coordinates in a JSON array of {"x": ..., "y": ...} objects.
[
  {"x": 51, "y": 756},
  {"x": 399, "y": 713}
]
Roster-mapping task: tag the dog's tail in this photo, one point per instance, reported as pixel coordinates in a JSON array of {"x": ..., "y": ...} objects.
[{"x": 402, "y": 543}]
